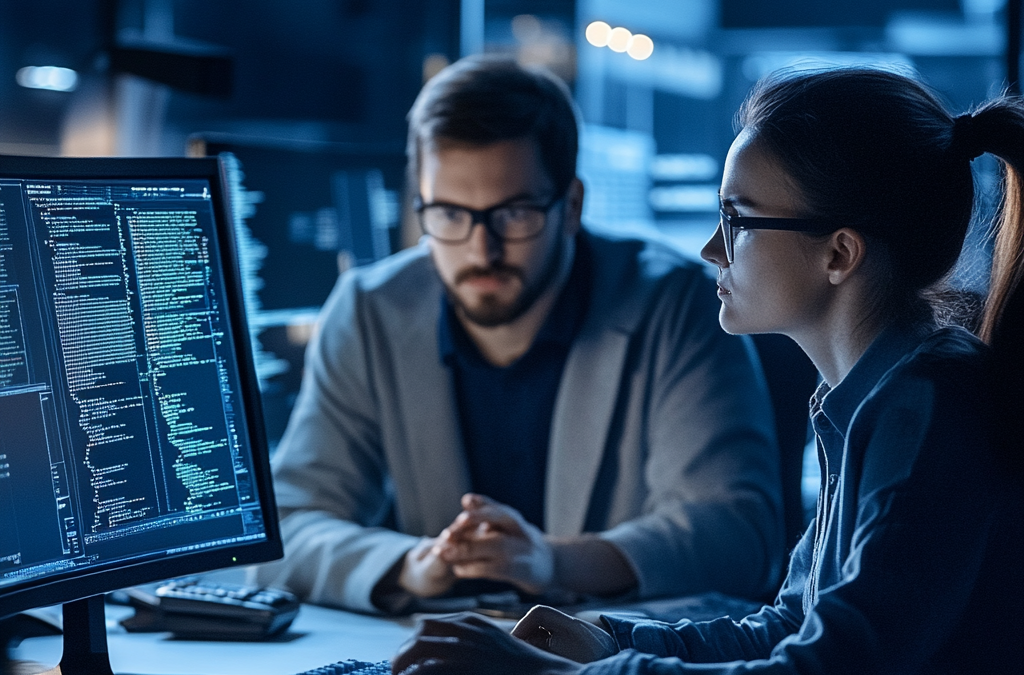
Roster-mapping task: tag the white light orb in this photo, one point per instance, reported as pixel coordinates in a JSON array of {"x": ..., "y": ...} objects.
[
  {"x": 640, "y": 47},
  {"x": 597, "y": 33},
  {"x": 618, "y": 40}
]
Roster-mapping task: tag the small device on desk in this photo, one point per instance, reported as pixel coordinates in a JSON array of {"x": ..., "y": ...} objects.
[
  {"x": 134, "y": 448},
  {"x": 193, "y": 609}
]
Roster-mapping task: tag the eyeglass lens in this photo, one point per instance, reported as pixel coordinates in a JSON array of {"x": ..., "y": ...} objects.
[
  {"x": 726, "y": 235},
  {"x": 454, "y": 223}
]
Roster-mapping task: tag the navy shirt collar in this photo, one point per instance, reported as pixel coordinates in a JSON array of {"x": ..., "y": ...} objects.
[
  {"x": 840, "y": 403},
  {"x": 559, "y": 328}
]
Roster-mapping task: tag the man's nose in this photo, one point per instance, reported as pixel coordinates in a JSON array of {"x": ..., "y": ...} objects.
[{"x": 484, "y": 246}]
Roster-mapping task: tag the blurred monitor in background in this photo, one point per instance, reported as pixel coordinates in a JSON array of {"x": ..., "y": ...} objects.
[{"x": 304, "y": 212}]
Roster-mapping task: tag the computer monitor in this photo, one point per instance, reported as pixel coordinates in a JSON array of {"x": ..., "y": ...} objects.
[
  {"x": 131, "y": 438},
  {"x": 305, "y": 211}
]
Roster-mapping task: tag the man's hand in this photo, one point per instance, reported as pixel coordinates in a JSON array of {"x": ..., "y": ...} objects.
[
  {"x": 560, "y": 634},
  {"x": 469, "y": 645},
  {"x": 489, "y": 540},
  {"x": 424, "y": 573}
]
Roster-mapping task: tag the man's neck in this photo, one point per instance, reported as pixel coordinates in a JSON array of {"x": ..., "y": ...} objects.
[{"x": 502, "y": 345}]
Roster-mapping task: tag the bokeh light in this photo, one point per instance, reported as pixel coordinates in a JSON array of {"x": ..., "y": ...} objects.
[
  {"x": 598, "y": 33},
  {"x": 618, "y": 39},
  {"x": 640, "y": 47},
  {"x": 527, "y": 28},
  {"x": 433, "y": 64}
]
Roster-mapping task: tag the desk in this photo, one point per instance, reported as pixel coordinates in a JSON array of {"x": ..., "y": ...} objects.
[{"x": 319, "y": 636}]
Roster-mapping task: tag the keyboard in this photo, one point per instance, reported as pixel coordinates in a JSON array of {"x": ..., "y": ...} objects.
[{"x": 352, "y": 668}]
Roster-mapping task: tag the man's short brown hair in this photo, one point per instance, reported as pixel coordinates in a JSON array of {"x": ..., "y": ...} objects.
[{"x": 483, "y": 99}]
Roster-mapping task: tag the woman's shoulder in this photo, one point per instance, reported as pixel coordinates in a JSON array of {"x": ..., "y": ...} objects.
[
  {"x": 946, "y": 350},
  {"x": 944, "y": 361},
  {"x": 929, "y": 406}
]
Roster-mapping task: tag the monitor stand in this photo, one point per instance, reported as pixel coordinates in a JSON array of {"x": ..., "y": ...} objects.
[{"x": 85, "y": 638}]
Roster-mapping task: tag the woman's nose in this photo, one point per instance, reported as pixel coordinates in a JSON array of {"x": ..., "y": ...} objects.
[{"x": 714, "y": 250}]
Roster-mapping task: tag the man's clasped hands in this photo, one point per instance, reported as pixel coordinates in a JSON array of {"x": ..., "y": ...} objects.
[{"x": 487, "y": 540}]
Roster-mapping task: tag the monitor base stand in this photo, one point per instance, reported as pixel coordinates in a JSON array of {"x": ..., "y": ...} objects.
[{"x": 85, "y": 638}]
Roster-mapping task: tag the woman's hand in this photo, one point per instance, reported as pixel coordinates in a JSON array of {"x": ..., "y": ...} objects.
[
  {"x": 563, "y": 635},
  {"x": 468, "y": 644}
]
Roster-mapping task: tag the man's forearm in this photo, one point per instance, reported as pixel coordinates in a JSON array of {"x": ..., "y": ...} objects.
[{"x": 591, "y": 566}]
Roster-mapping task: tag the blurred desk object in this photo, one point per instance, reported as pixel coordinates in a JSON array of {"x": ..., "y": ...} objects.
[{"x": 318, "y": 637}]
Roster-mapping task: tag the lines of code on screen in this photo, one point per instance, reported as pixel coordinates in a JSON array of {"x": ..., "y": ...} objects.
[{"x": 121, "y": 428}]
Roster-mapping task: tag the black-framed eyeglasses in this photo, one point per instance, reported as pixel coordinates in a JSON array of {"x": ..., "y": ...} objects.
[
  {"x": 452, "y": 224},
  {"x": 732, "y": 222}
]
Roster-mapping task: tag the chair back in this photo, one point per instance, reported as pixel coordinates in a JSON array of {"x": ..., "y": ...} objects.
[
  {"x": 1006, "y": 381},
  {"x": 791, "y": 379}
]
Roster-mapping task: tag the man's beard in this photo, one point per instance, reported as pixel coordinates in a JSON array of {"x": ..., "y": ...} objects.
[{"x": 490, "y": 312}]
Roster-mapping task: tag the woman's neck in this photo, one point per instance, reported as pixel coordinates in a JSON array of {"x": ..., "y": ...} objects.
[{"x": 837, "y": 342}]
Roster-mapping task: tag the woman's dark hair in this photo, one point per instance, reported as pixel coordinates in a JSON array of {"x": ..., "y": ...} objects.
[
  {"x": 485, "y": 99},
  {"x": 877, "y": 151}
]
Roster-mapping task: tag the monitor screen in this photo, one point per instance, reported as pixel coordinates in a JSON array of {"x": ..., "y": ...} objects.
[
  {"x": 131, "y": 443},
  {"x": 305, "y": 211}
]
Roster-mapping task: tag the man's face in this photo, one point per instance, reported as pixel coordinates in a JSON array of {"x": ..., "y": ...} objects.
[{"x": 492, "y": 282}]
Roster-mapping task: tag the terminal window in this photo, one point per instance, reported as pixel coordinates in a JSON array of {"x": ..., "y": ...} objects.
[{"x": 122, "y": 433}]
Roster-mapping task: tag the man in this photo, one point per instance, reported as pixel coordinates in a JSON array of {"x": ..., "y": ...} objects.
[{"x": 520, "y": 400}]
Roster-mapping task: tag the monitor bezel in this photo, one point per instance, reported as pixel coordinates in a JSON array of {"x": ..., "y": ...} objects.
[{"x": 75, "y": 585}]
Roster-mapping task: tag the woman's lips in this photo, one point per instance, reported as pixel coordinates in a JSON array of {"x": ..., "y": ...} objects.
[{"x": 722, "y": 290}]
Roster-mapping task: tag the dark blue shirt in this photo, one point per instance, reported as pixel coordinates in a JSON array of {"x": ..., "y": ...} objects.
[
  {"x": 505, "y": 412},
  {"x": 913, "y": 563}
]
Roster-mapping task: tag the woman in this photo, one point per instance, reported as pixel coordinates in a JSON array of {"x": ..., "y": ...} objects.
[{"x": 846, "y": 198}]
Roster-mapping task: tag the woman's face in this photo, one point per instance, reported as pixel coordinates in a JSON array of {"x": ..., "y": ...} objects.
[{"x": 775, "y": 283}]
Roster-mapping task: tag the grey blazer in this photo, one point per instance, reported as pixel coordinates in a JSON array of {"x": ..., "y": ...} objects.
[{"x": 661, "y": 439}]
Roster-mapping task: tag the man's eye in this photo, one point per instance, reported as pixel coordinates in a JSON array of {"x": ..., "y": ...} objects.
[
  {"x": 512, "y": 214},
  {"x": 450, "y": 213}
]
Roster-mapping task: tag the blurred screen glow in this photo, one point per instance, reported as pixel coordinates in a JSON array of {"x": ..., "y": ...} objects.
[
  {"x": 53, "y": 78},
  {"x": 684, "y": 167}
]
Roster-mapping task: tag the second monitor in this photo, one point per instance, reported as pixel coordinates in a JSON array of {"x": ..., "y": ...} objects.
[{"x": 304, "y": 211}]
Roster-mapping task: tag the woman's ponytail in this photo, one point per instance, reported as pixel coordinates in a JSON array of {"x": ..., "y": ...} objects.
[{"x": 997, "y": 127}]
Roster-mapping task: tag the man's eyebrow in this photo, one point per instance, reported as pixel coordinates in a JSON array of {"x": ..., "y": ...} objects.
[{"x": 520, "y": 197}]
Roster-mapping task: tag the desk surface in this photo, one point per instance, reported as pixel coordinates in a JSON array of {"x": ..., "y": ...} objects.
[{"x": 319, "y": 636}]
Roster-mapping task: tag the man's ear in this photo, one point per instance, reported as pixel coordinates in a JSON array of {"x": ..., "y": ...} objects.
[
  {"x": 574, "y": 207},
  {"x": 847, "y": 250}
]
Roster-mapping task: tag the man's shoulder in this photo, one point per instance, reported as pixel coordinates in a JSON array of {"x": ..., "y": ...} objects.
[
  {"x": 407, "y": 271},
  {"x": 633, "y": 273},
  {"x": 398, "y": 289},
  {"x": 645, "y": 257}
]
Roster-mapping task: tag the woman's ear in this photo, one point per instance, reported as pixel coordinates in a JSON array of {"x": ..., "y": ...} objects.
[{"x": 847, "y": 250}]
